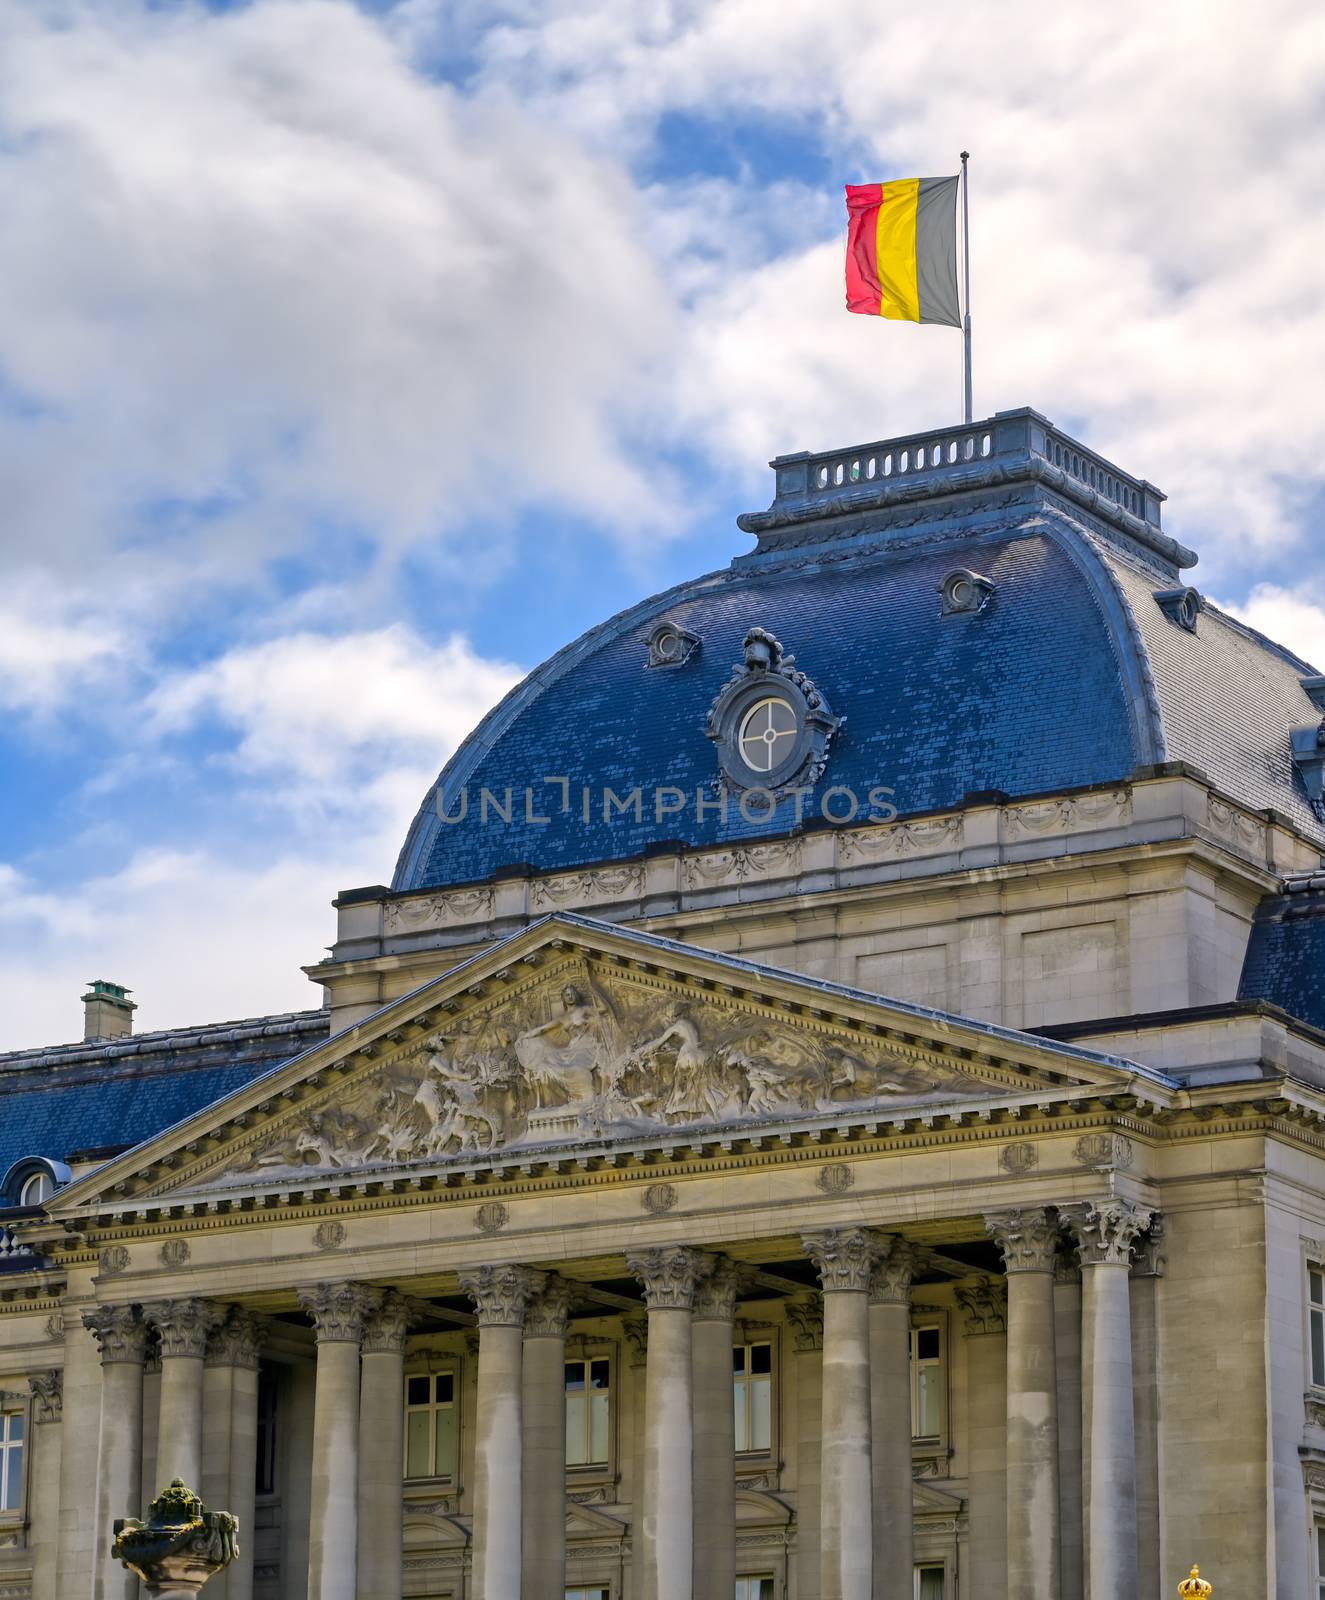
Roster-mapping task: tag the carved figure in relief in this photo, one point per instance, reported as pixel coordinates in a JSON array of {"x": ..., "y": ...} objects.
[
  {"x": 696, "y": 1087},
  {"x": 562, "y": 1058}
]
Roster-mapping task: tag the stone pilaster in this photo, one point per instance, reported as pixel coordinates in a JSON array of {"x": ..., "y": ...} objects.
[
  {"x": 715, "y": 1429},
  {"x": 1029, "y": 1240},
  {"x": 184, "y": 1327},
  {"x": 47, "y": 1391},
  {"x": 544, "y": 1519},
  {"x": 666, "y": 1529},
  {"x": 1067, "y": 1363},
  {"x": 1104, "y": 1231},
  {"x": 501, "y": 1295},
  {"x": 983, "y": 1304},
  {"x": 338, "y": 1311},
  {"x": 845, "y": 1258},
  {"x": 890, "y": 1421},
  {"x": 382, "y": 1445},
  {"x": 1147, "y": 1354},
  {"x": 122, "y": 1339},
  {"x": 805, "y": 1318}
]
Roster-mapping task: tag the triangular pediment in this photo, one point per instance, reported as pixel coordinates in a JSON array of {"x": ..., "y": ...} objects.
[{"x": 575, "y": 1035}]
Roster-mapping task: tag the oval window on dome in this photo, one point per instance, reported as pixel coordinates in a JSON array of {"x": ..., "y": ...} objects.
[{"x": 768, "y": 734}]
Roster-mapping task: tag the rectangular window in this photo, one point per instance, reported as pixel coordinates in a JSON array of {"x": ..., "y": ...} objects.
[
  {"x": 588, "y": 1418},
  {"x": 752, "y": 1380},
  {"x": 432, "y": 1425},
  {"x": 929, "y": 1583},
  {"x": 265, "y": 1479},
  {"x": 1316, "y": 1312},
  {"x": 12, "y": 1429},
  {"x": 760, "y": 1588},
  {"x": 926, "y": 1382},
  {"x": 587, "y": 1594}
]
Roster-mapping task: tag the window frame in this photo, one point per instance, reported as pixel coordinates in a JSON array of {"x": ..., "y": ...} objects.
[
  {"x": 593, "y": 1347},
  {"x": 446, "y": 1367},
  {"x": 586, "y": 1359},
  {"x": 747, "y": 1338},
  {"x": 760, "y": 1575},
  {"x": 1314, "y": 1313},
  {"x": 14, "y": 1405},
  {"x": 925, "y": 1447},
  {"x": 941, "y": 1567}
]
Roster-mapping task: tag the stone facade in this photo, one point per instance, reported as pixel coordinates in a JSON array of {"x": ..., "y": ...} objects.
[{"x": 658, "y": 1225}]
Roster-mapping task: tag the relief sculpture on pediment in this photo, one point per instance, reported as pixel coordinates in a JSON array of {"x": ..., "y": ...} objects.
[{"x": 583, "y": 1060}]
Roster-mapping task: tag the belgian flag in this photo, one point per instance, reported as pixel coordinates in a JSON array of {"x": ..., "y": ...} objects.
[{"x": 902, "y": 250}]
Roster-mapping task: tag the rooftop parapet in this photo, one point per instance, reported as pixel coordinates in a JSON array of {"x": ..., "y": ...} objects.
[{"x": 814, "y": 492}]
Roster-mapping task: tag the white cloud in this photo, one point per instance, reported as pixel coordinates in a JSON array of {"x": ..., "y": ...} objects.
[
  {"x": 266, "y": 288},
  {"x": 1289, "y": 618},
  {"x": 314, "y": 709},
  {"x": 50, "y": 650}
]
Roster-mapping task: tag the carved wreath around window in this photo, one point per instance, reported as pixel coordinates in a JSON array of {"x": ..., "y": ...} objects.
[{"x": 771, "y": 725}]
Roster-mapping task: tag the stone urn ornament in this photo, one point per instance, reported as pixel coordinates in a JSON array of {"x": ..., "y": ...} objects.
[{"x": 180, "y": 1546}]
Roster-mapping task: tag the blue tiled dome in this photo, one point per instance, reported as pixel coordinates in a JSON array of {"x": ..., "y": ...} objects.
[{"x": 1070, "y": 675}]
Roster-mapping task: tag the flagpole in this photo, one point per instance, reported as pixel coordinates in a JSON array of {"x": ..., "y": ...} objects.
[{"x": 966, "y": 253}]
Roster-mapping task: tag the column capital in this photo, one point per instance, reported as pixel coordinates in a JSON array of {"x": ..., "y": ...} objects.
[
  {"x": 237, "y": 1341},
  {"x": 120, "y": 1332},
  {"x": 1148, "y": 1260},
  {"x": 47, "y": 1390},
  {"x": 1104, "y": 1230},
  {"x": 546, "y": 1314},
  {"x": 669, "y": 1274},
  {"x": 984, "y": 1304},
  {"x": 890, "y": 1279},
  {"x": 338, "y": 1310},
  {"x": 1027, "y": 1237},
  {"x": 806, "y": 1317},
  {"x": 845, "y": 1257},
  {"x": 184, "y": 1325},
  {"x": 716, "y": 1291},
  {"x": 501, "y": 1294},
  {"x": 386, "y": 1326}
]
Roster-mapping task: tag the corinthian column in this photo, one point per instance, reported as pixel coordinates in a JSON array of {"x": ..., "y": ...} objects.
[
  {"x": 230, "y": 1434},
  {"x": 715, "y": 1433},
  {"x": 338, "y": 1311},
  {"x": 500, "y": 1296},
  {"x": 1104, "y": 1231},
  {"x": 845, "y": 1258},
  {"x": 184, "y": 1326},
  {"x": 123, "y": 1340},
  {"x": 805, "y": 1317},
  {"x": 382, "y": 1446},
  {"x": 666, "y": 1542},
  {"x": 983, "y": 1303},
  {"x": 1028, "y": 1240},
  {"x": 890, "y": 1422},
  {"x": 544, "y": 1383}
]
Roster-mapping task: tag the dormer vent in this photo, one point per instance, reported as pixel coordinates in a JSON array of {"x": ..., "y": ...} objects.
[
  {"x": 1309, "y": 759},
  {"x": 671, "y": 645},
  {"x": 1315, "y": 688},
  {"x": 1180, "y": 606},
  {"x": 964, "y": 591}
]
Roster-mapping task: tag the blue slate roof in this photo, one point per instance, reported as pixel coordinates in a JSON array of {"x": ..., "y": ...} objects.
[
  {"x": 1285, "y": 961},
  {"x": 1070, "y": 676},
  {"x": 58, "y": 1102}
]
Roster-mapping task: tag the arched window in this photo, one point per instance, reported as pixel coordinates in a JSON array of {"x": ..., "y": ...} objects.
[{"x": 36, "y": 1189}]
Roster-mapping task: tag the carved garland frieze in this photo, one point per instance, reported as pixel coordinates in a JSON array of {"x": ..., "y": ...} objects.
[
  {"x": 577, "y": 888},
  {"x": 578, "y": 1054},
  {"x": 883, "y": 843},
  {"x": 780, "y": 858},
  {"x": 427, "y": 911},
  {"x": 1067, "y": 814}
]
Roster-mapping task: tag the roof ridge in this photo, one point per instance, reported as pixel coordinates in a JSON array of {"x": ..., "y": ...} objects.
[{"x": 130, "y": 1044}]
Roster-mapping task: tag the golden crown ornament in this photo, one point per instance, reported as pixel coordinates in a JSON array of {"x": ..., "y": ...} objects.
[{"x": 1195, "y": 1586}]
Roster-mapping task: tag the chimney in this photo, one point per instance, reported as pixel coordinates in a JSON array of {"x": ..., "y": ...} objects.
[{"x": 107, "y": 1011}]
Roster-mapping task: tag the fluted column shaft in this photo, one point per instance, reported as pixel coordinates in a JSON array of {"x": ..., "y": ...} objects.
[
  {"x": 1028, "y": 1240},
  {"x": 544, "y": 1384},
  {"x": 1104, "y": 1233},
  {"x": 666, "y": 1528},
  {"x": 501, "y": 1295},
  {"x": 806, "y": 1317},
  {"x": 1146, "y": 1366},
  {"x": 890, "y": 1423},
  {"x": 184, "y": 1327},
  {"x": 1067, "y": 1362},
  {"x": 338, "y": 1311},
  {"x": 845, "y": 1258},
  {"x": 382, "y": 1447},
  {"x": 983, "y": 1305},
  {"x": 715, "y": 1433},
  {"x": 123, "y": 1340}
]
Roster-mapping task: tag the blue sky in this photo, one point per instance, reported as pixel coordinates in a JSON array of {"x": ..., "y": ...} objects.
[{"x": 353, "y": 358}]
